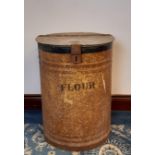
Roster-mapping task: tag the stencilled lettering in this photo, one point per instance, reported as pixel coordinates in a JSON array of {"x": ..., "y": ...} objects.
[{"x": 77, "y": 86}]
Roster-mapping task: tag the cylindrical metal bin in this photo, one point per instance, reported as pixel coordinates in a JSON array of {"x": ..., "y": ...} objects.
[{"x": 76, "y": 88}]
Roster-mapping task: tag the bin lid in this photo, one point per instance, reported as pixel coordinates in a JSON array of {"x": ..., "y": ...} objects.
[
  {"x": 62, "y": 42},
  {"x": 82, "y": 38}
]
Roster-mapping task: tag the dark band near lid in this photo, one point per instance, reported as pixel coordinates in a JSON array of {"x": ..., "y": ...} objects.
[{"x": 67, "y": 49}]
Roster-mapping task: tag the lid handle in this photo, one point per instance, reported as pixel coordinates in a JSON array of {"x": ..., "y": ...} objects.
[{"x": 76, "y": 57}]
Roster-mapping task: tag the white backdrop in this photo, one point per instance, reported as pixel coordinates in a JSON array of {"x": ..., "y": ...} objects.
[{"x": 102, "y": 16}]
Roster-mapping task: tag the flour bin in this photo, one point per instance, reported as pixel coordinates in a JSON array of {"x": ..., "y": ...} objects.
[{"x": 75, "y": 71}]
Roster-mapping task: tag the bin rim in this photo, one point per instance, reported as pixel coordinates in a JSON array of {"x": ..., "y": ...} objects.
[{"x": 68, "y": 38}]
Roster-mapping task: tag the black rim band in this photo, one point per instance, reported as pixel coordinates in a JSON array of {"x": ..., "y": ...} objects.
[{"x": 67, "y": 49}]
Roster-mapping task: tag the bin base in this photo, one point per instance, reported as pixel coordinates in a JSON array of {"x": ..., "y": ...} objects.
[{"x": 78, "y": 148}]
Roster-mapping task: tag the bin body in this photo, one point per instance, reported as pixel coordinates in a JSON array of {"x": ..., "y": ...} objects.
[{"x": 75, "y": 71}]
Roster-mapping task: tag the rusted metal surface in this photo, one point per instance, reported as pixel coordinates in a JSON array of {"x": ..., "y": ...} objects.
[{"x": 76, "y": 96}]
